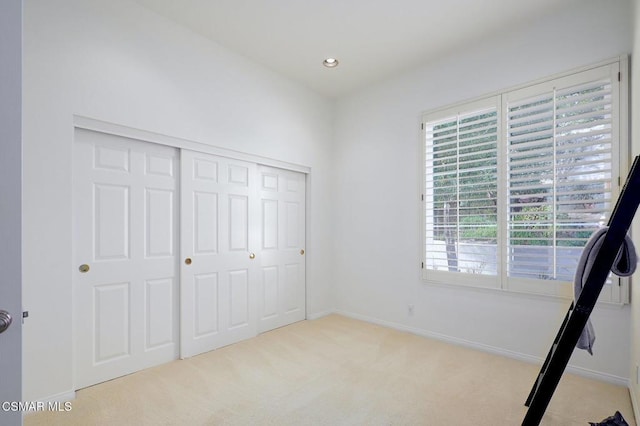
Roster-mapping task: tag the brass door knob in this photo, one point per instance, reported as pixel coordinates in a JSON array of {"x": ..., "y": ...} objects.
[
  {"x": 187, "y": 261},
  {"x": 84, "y": 268},
  {"x": 252, "y": 255},
  {"x": 302, "y": 252}
]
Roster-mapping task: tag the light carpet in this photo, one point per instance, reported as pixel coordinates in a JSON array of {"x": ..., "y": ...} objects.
[{"x": 337, "y": 371}]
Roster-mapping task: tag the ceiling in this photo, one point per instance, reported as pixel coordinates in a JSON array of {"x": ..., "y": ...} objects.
[{"x": 372, "y": 39}]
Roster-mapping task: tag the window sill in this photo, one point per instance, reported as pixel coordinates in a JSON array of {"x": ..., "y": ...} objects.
[{"x": 517, "y": 293}]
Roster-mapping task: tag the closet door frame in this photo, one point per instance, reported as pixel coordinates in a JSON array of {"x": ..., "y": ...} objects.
[{"x": 87, "y": 123}]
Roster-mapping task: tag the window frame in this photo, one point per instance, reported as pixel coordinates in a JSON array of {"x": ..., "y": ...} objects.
[
  {"x": 476, "y": 105},
  {"x": 618, "y": 70}
]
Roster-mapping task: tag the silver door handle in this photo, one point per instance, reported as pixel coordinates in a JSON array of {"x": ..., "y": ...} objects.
[{"x": 5, "y": 321}]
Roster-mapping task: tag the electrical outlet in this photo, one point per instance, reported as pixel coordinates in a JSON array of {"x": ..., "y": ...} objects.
[{"x": 410, "y": 310}]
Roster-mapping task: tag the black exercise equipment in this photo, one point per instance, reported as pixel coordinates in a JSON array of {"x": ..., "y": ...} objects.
[{"x": 579, "y": 311}]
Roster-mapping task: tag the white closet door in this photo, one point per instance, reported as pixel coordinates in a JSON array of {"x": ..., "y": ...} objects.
[
  {"x": 125, "y": 251},
  {"x": 281, "y": 291},
  {"x": 219, "y": 220}
]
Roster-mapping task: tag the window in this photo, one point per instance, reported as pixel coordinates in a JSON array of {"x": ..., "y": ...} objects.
[
  {"x": 515, "y": 184},
  {"x": 461, "y": 188}
]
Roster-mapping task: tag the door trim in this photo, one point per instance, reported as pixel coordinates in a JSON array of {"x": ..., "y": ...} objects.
[
  {"x": 11, "y": 209},
  {"x": 88, "y": 123}
]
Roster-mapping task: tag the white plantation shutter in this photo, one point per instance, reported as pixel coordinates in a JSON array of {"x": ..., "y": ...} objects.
[
  {"x": 559, "y": 175},
  {"x": 530, "y": 176},
  {"x": 461, "y": 189},
  {"x": 516, "y": 184}
]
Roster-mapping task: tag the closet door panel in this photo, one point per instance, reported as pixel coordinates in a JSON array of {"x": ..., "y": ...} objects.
[
  {"x": 219, "y": 272},
  {"x": 281, "y": 293},
  {"x": 125, "y": 282}
]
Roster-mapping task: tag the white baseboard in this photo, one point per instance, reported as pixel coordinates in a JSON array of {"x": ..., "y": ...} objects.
[
  {"x": 634, "y": 402},
  {"x": 321, "y": 314},
  {"x": 51, "y": 401},
  {"x": 580, "y": 371},
  {"x": 61, "y": 397}
]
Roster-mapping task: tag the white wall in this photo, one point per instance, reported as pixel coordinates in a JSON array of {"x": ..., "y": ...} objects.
[
  {"x": 117, "y": 62},
  {"x": 377, "y": 232}
]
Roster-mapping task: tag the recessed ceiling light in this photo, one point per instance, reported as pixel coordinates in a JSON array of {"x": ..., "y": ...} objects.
[{"x": 330, "y": 62}]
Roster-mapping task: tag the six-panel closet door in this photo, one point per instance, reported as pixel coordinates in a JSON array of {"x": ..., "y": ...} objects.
[
  {"x": 125, "y": 249},
  {"x": 242, "y": 246},
  {"x": 219, "y": 270},
  {"x": 281, "y": 289},
  {"x": 178, "y": 252}
]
